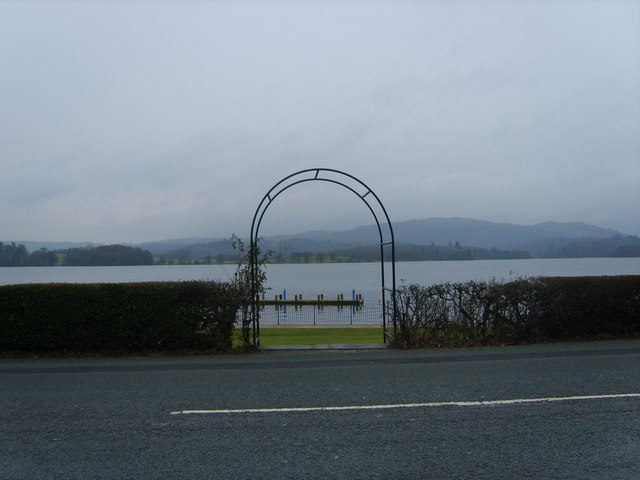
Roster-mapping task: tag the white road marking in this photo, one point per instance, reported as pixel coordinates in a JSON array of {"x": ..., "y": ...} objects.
[{"x": 480, "y": 403}]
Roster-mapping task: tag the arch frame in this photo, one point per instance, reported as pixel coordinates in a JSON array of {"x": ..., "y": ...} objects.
[{"x": 387, "y": 238}]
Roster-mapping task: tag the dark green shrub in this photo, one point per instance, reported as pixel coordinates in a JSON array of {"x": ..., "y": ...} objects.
[
  {"x": 117, "y": 317},
  {"x": 525, "y": 310},
  {"x": 587, "y": 306}
]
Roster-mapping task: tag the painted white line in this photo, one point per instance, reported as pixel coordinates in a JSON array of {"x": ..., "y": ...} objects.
[{"x": 480, "y": 403}]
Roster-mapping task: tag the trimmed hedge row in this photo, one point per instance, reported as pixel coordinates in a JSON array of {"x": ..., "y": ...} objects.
[
  {"x": 525, "y": 310},
  {"x": 122, "y": 317}
]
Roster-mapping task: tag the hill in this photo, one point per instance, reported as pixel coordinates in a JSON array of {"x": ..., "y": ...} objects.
[
  {"x": 426, "y": 239},
  {"x": 433, "y": 238},
  {"x": 466, "y": 231}
]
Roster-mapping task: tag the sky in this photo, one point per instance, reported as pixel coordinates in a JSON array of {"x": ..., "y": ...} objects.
[{"x": 131, "y": 121}]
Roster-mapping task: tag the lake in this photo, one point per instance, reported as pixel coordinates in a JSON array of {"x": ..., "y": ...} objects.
[{"x": 332, "y": 279}]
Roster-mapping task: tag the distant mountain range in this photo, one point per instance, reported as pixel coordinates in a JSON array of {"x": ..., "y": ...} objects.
[
  {"x": 466, "y": 231},
  {"x": 548, "y": 239}
]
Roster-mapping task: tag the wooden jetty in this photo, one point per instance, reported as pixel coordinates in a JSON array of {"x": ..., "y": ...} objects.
[{"x": 320, "y": 301}]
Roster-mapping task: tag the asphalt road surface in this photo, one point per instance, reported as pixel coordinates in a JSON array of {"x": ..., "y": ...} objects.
[{"x": 544, "y": 411}]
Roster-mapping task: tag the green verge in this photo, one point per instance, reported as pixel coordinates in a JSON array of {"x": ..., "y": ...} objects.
[{"x": 319, "y": 335}]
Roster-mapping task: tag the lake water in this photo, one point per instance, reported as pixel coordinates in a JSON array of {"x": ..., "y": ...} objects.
[{"x": 332, "y": 279}]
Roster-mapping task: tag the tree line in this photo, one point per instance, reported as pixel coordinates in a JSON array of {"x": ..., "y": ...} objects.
[
  {"x": 108, "y": 255},
  {"x": 112, "y": 255},
  {"x": 221, "y": 252},
  {"x": 362, "y": 253},
  {"x": 12, "y": 255}
]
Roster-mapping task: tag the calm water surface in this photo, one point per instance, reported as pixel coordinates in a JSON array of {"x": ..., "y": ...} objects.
[{"x": 331, "y": 279}]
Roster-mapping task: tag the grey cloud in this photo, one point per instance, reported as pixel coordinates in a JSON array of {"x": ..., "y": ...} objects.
[{"x": 172, "y": 119}]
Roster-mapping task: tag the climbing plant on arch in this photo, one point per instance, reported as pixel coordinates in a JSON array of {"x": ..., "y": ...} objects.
[{"x": 375, "y": 206}]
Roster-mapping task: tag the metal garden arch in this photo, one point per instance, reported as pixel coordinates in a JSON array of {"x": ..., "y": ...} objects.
[{"x": 376, "y": 208}]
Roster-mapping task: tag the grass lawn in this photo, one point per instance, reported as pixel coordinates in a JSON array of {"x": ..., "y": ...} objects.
[{"x": 320, "y": 335}]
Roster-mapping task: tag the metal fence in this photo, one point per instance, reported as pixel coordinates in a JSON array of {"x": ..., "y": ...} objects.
[{"x": 321, "y": 315}]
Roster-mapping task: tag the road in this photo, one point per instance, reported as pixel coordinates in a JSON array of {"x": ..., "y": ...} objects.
[{"x": 130, "y": 417}]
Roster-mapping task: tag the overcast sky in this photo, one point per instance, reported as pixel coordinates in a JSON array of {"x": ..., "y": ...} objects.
[{"x": 128, "y": 121}]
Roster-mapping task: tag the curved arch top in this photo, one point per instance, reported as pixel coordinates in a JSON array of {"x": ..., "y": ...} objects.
[
  {"x": 323, "y": 175},
  {"x": 362, "y": 191}
]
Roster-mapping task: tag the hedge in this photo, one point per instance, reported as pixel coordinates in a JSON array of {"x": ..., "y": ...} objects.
[
  {"x": 127, "y": 317},
  {"x": 197, "y": 315},
  {"x": 525, "y": 310}
]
